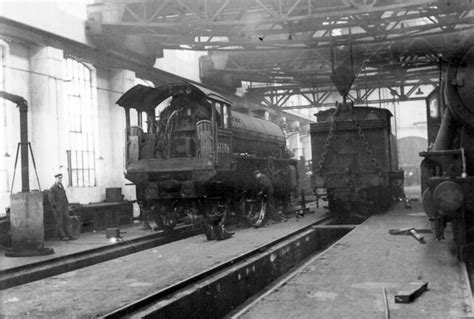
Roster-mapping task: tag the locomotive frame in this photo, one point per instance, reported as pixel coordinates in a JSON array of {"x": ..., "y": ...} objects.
[{"x": 196, "y": 160}]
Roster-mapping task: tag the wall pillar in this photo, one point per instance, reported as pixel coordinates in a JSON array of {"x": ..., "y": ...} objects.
[
  {"x": 120, "y": 81},
  {"x": 47, "y": 128},
  {"x": 294, "y": 140}
]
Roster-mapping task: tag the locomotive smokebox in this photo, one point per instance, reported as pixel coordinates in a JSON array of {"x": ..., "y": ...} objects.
[
  {"x": 448, "y": 196},
  {"x": 459, "y": 87}
]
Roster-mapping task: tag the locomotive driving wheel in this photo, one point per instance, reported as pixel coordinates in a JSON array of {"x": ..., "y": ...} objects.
[
  {"x": 254, "y": 211},
  {"x": 165, "y": 216}
]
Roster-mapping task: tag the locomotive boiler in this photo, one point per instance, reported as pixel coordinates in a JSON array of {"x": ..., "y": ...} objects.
[
  {"x": 196, "y": 156},
  {"x": 447, "y": 171},
  {"x": 355, "y": 160}
]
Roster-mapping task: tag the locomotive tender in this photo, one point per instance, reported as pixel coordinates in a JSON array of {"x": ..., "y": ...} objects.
[
  {"x": 197, "y": 156},
  {"x": 447, "y": 171},
  {"x": 355, "y": 160}
]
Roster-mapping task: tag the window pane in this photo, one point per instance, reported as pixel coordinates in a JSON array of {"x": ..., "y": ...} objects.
[
  {"x": 81, "y": 122},
  {"x": 133, "y": 117}
]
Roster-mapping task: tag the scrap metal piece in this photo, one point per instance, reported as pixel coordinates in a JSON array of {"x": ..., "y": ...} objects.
[
  {"x": 408, "y": 296},
  {"x": 411, "y": 231},
  {"x": 385, "y": 301},
  {"x": 417, "y": 236}
]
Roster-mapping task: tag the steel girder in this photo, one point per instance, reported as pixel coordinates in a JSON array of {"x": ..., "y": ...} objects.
[
  {"x": 296, "y": 43},
  {"x": 243, "y": 25}
]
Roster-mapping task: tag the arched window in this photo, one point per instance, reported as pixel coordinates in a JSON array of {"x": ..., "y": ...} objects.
[{"x": 81, "y": 110}]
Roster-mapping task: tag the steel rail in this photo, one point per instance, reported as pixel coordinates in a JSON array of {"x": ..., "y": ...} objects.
[
  {"x": 39, "y": 270},
  {"x": 146, "y": 301}
]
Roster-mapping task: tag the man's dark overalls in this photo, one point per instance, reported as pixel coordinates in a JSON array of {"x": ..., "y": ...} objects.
[{"x": 266, "y": 189}]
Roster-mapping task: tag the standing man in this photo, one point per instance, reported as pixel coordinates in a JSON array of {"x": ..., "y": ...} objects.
[
  {"x": 60, "y": 206},
  {"x": 265, "y": 187}
]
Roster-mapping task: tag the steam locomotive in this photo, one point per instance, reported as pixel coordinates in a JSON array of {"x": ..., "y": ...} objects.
[
  {"x": 447, "y": 171},
  {"x": 196, "y": 158},
  {"x": 355, "y": 160}
]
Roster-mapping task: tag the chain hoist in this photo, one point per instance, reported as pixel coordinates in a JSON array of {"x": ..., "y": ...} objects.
[
  {"x": 322, "y": 159},
  {"x": 361, "y": 134},
  {"x": 367, "y": 146}
]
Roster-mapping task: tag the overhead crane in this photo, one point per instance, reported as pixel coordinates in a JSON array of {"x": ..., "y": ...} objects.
[{"x": 289, "y": 48}]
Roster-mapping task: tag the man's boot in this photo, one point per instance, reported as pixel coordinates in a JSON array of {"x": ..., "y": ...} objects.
[
  {"x": 208, "y": 230},
  {"x": 222, "y": 233}
]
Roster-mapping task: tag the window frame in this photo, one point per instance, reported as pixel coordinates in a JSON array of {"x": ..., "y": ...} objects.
[{"x": 81, "y": 116}]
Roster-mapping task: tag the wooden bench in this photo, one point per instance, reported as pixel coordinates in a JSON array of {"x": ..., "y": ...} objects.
[{"x": 100, "y": 216}]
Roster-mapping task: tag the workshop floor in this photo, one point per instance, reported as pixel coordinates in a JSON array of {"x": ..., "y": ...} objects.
[{"x": 349, "y": 280}]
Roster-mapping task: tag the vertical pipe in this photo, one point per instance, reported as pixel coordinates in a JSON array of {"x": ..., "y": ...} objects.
[
  {"x": 213, "y": 131},
  {"x": 25, "y": 174},
  {"x": 151, "y": 122},
  {"x": 23, "y": 107},
  {"x": 127, "y": 133},
  {"x": 69, "y": 168}
]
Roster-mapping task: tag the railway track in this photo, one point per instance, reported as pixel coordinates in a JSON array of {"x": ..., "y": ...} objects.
[
  {"x": 216, "y": 291},
  {"x": 31, "y": 272},
  {"x": 24, "y": 274}
]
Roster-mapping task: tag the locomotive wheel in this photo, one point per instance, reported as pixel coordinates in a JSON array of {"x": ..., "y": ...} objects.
[
  {"x": 166, "y": 221},
  {"x": 254, "y": 212},
  {"x": 166, "y": 218}
]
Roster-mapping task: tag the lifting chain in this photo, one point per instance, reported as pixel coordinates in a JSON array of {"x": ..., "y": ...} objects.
[
  {"x": 367, "y": 146},
  {"x": 322, "y": 159}
]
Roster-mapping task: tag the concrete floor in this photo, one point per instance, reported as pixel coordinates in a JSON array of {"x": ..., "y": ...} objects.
[
  {"x": 101, "y": 288},
  {"x": 347, "y": 281}
]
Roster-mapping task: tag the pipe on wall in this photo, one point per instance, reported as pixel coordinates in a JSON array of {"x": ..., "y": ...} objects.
[{"x": 23, "y": 108}]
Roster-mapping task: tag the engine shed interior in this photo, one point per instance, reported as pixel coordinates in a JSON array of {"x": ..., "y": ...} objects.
[{"x": 223, "y": 115}]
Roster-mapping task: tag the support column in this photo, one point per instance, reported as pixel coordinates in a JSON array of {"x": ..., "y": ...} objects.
[
  {"x": 48, "y": 125},
  {"x": 294, "y": 141},
  {"x": 119, "y": 82}
]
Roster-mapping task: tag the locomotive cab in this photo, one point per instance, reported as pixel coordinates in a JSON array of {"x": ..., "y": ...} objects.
[
  {"x": 176, "y": 152},
  {"x": 177, "y": 127}
]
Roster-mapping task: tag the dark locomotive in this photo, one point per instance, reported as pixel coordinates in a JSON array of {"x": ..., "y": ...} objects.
[
  {"x": 447, "y": 171},
  {"x": 355, "y": 160},
  {"x": 196, "y": 158}
]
